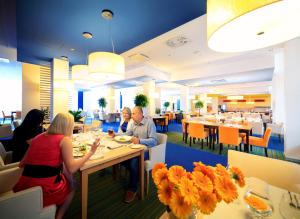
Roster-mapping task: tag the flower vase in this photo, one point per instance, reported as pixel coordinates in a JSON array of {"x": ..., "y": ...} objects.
[{"x": 194, "y": 215}]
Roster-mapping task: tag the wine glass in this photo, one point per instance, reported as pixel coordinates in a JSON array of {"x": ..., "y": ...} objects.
[
  {"x": 257, "y": 198},
  {"x": 288, "y": 206}
]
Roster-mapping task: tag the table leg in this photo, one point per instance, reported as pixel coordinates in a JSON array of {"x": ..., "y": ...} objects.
[
  {"x": 246, "y": 149},
  {"x": 186, "y": 132},
  {"x": 142, "y": 175},
  {"x": 84, "y": 194}
]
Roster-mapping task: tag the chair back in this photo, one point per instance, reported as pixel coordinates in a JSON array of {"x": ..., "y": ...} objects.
[
  {"x": 196, "y": 130},
  {"x": 166, "y": 120},
  {"x": 183, "y": 121},
  {"x": 267, "y": 136},
  {"x": 8, "y": 178},
  {"x": 26, "y": 204},
  {"x": 2, "y": 152},
  {"x": 276, "y": 172},
  {"x": 157, "y": 153},
  {"x": 228, "y": 135},
  {"x": 5, "y": 131}
]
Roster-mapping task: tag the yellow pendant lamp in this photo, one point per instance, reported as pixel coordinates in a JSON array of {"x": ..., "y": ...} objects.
[
  {"x": 106, "y": 66},
  {"x": 242, "y": 25}
]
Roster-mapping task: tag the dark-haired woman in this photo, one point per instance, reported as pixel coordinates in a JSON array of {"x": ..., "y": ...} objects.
[{"x": 30, "y": 127}]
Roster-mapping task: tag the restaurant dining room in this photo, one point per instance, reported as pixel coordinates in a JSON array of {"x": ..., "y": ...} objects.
[{"x": 149, "y": 109}]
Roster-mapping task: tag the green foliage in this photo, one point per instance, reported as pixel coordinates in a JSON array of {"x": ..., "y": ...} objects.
[
  {"x": 166, "y": 104},
  {"x": 141, "y": 100},
  {"x": 76, "y": 114},
  {"x": 157, "y": 111},
  {"x": 102, "y": 103},
  {"x": 199, "y": 104}
]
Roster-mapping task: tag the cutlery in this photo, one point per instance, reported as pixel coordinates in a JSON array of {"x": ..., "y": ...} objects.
[
  {"x": 297, "y": 203},
  {"x": 258, "y": 195},
  {"x": 291, "y": 198}
]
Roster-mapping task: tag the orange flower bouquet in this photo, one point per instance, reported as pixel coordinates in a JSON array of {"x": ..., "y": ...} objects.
[{"x": 203, "y": 188}]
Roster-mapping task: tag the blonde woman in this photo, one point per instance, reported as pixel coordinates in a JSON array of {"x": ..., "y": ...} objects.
[
  {"x": 44, "y": 160},
  {"x": 126, "y": 120}
]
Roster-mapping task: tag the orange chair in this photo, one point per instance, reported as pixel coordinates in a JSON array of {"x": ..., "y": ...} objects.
[
  {"x": 183, "y": 122},
  {"x": 261, "y": 142},
  {"x": 230, "y": 136},
  {"x": 164, "y": 124},
  {"x": 5, "y": 117},
  {"x": 196, "y": 130}
]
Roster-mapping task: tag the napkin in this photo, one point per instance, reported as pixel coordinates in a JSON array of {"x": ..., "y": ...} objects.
[{"x": 258, "y": 187}]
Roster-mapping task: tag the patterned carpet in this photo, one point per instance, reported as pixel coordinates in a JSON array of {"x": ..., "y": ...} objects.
[{"x": 105, "y": 200}]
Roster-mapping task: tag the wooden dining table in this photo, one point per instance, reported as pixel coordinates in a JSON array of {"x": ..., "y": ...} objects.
[
  {"x": 212, "y": 126},
  {"x": 110, "y": 158}
]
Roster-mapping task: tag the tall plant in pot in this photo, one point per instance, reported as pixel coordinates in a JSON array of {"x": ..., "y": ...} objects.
[
  {"x": 102, "y": 103},
  {"x": 141, "y": 100},
  {"x": 198, "y": 105},
  {"x": 166, "y": 105}
]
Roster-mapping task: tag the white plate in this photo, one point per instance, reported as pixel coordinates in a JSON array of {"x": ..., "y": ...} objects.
[
  {"x": 136, "y": 146},
  {"x": 123, "y": 138}
]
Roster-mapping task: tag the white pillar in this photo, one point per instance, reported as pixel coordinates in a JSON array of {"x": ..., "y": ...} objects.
[
  {"x": 292, "y": 98},
  {"x": 60, "y": 97},
  {"x": 278, "y": 106},
  {"x": 184, "y": 99},
  {"x": 157, "y": 98},
  {"x": 215, "y": 104},
  {"x": 111, "y": 99},
  {"x": 203, "y": 98},
  {"x": 149, "y": 91}
]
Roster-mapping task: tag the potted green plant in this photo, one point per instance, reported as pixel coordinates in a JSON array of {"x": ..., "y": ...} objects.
[
  {"x": 157, "y": 111},
  {"x": 76, "y": 114},
  {"x": 166, "y": 105},
  {"x": 102, "y": 103},
  {"x": 141, "y": 100},
  {"x": 198, "y": 105}
]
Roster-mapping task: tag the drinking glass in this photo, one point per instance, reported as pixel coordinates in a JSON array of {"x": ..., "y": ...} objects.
[
  {"x": 110, "y": 130},
  {"x": 257, "y": 198},
  {"x": 288, "y": 206}
]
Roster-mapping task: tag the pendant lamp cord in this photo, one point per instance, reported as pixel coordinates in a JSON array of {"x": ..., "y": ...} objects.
[{"x": 111, "y": 39}]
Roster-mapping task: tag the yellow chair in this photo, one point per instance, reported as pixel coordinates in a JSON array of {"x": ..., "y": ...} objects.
[
  {"x": 196, "y": 130},
  {"x": 261, "y": 142},
  {"x": 230, "y": 136},
  {"x": 183, "y": 122}
]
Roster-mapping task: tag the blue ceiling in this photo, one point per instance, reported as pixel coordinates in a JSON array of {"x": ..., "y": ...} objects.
[{"x": 47, "y": 29}]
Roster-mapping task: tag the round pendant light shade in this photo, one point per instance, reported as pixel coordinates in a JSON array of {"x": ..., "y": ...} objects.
[
  {"x": 80, "y": 72},
  {"x": 106, "y": 66},
  {"x": 236, "y": 26}
]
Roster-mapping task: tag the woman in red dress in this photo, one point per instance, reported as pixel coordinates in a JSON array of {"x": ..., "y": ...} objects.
[{"x": 43, "y": 163}]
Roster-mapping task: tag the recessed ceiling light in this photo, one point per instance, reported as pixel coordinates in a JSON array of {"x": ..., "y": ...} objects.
[
  {"x": 64, "y": 58},
  {"x": 87, "y": 35},
  {"x": 107, "y": 14},
  {"x": 72, "y": 49}
]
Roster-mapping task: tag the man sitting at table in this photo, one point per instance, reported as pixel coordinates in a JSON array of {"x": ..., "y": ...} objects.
[{"x": 144, "y": 132}]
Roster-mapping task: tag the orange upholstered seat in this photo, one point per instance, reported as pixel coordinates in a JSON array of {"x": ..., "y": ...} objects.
[
  {"x": 183, "y": 122},
  {"x": 230, "y": 136},
  {"x": 261, "y": 142},
  {"x": 196, "y": 130}
]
